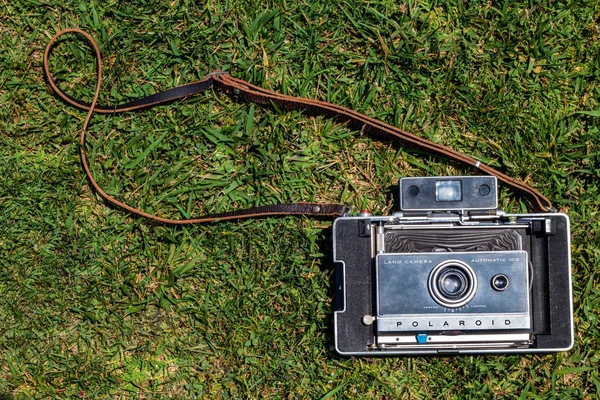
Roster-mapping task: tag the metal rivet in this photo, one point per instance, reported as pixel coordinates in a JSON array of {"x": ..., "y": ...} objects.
[
  {"x": 316, "y": 209},
  {"x": 236, "y": 91},
  {"x": 368, "y": 320}
]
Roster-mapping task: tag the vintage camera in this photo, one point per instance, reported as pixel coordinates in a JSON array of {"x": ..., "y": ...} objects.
[{"x": 450, "y": 273}]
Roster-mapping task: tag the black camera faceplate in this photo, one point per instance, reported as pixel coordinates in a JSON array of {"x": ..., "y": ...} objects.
[
  {"x": 550, "y": 292},
  {"x": 552, "y": 286}
]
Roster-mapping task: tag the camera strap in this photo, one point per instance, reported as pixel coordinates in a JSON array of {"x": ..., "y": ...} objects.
[{"x": 238, "y": 88}]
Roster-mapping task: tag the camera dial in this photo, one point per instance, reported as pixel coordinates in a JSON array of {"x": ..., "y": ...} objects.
[{"x": 452, "y": 283}]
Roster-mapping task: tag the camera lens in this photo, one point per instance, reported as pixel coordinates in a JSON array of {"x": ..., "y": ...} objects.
[
  {"x": 452, "y": 283},
  {"x": 500, "y": 282}
]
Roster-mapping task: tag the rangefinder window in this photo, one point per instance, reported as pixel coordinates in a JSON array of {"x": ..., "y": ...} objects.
[
  {"x": 448, "y": 190},
  {"x": 448, "y": 193}
]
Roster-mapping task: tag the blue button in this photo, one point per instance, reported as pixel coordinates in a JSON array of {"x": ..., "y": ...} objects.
[{"x": 421, "y": 338}]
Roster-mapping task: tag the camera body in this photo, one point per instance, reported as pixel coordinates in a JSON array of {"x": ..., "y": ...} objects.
[{"x": 452, "y": 274}]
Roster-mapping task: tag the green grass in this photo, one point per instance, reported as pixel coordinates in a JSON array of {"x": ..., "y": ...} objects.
[{"x": 95, "y": 303}]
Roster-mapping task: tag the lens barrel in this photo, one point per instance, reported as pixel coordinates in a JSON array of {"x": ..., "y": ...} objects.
[{"x": 452, "y": 283}]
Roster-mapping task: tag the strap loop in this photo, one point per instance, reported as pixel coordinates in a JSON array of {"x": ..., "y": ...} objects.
[{"x": 222, "y": 81}]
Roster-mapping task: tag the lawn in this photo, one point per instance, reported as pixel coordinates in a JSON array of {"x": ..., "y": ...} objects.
[{"x": 97, "y": 303}]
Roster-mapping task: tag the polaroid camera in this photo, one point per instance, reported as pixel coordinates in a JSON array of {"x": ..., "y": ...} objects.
[{"x": 452, "y": 274}]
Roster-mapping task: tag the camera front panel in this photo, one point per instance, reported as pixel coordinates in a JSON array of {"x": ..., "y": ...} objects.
[{"x": 423, "y": 292}]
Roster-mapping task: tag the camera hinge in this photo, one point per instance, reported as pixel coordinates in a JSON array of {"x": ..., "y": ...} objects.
[{"x": 380, "y": 238}]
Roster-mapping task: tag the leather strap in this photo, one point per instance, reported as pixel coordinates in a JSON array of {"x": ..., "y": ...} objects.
[{"x": 223, "y": 82}]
